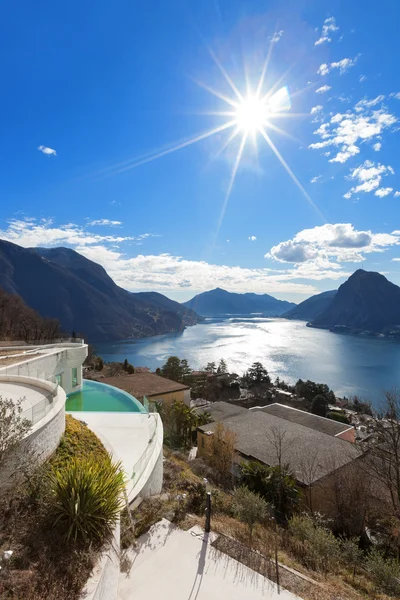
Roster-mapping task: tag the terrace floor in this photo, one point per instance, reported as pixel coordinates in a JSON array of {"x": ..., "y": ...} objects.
[
  {"x": 171, "y": 563},
  {"x": 31, "y": 395}
]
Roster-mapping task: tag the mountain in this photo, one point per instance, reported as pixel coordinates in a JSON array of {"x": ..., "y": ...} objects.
[
  {"x": 219, "y": 302},
  {"x": 367, "y": 301},
  {"x": 63, "y": 284},
  {"x": 312, "y": 307}
]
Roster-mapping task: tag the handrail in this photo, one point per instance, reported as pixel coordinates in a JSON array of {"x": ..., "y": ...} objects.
[{"x": 40, "y": 409}]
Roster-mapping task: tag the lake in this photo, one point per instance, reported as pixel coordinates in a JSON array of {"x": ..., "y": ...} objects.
[{"x": 288, "y": 349}]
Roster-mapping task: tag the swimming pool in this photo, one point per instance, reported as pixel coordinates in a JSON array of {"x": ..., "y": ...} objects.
[{"x": 100, "y": 397}]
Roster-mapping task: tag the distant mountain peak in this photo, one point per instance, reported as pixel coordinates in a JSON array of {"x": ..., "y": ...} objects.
[{"x": 219, "y": 302}]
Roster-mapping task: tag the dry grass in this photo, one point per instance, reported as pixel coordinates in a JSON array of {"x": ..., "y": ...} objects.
[
  {"x": 234, "y": 540},
  {"x": 11, "y": 360},
  {"x": 43, "y": 566}
]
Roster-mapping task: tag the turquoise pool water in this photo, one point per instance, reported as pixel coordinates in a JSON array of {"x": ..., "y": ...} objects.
[{"x": 99, "y": 397}]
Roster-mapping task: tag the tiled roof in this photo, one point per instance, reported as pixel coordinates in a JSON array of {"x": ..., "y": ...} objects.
[
  {"x": 301, "y": 417},
  {"x": 145, "y": 384},
  {"x": 310, "y": 454}
]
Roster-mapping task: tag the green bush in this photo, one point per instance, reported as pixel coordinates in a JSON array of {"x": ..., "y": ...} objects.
[
  {"x": 249, "y": 507},
  {"x": 87, "y": 498},
  {"x": 316, "y": 547},
  {"x": 338, "y": 416},
  {"x": 385, "y": 572}
]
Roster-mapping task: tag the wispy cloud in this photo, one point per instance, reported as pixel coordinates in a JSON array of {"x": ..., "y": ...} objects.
[
  {"x": 343, "y": 65},
  {"x": 276, "y": 36},
  {"x": 252, "y": 238},
  {"x": 323, "y": 89},
  {"x": 106, "y": 222},
  {"x": 47, "y": 151},
  {"x": 316, "y": 178},
  {"x": 316, "y": 109},
  {"x": 369, "y": 176},
  {"x": 328, "y": 27},
  {"x": 377, "y": 146}
]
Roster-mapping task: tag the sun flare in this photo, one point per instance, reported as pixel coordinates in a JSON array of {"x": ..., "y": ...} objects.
[{"x": 251, "y": 114}]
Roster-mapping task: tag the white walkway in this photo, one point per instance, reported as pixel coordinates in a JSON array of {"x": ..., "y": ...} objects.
[{"x": 178, "y": 565}]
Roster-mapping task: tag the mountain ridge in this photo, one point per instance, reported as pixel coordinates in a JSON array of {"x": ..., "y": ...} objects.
[
  {"x": 61, "y": 283},
  {"x": 312, "y": 307},
  {"x": 366, "y": 302},
  {"x": 219, "y": 302}
]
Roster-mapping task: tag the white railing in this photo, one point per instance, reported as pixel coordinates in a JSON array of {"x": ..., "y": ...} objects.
[
  {"x": 141, "y": 464},
  {"x": 24, "y": 374}
]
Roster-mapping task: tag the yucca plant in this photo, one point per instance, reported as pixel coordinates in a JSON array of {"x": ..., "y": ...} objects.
[{"x": 88, "y": 498}]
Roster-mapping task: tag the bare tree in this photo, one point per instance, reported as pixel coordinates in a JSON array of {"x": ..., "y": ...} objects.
[
  {"x": 281, "y": 441},
  {"x": 382, "y": 450},
  {"x": 310, "y": 466},
  {"x": 222, "y": 450}
]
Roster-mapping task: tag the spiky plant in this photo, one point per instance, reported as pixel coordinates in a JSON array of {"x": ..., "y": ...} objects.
[{"x": 88, "y": 496}]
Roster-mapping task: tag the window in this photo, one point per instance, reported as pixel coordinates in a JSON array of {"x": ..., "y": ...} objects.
[
  {"x": 59, "y": 379},
  {"x": 74, "y": 376}
]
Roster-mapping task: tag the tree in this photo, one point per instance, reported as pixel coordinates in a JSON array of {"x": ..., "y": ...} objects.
[
  {"x": 309, "y": 389},
  {"x": 249, "y": 507},
  {"x": 222, "y": 451},
  {"x": 211, "y": 368},
  {"x": 319, "y": 406},
  {"x": 179, "y": 422},
  {"x": 258, "y": 375},
  {"x": 222, "y": 367},
  {"x": 382, "y": 456},
  {"x": 13, "y": 428},
  {"x": 351, "y": 554},
  {"x": 176, "y": 369},
  {"x": 275, "y": 484}
]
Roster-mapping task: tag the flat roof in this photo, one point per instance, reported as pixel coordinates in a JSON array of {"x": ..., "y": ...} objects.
[
  {"x": 302, "y": 447},
  {"x": 29, "y": 394},
  {"x": 301, "y": 417},
  {"x": 145, "y": 384}
]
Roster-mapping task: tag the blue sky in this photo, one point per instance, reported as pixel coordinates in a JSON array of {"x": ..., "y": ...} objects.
[{"x": 92, "y": 93}]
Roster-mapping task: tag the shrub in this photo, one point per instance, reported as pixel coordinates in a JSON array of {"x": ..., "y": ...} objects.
[
  {"x": 88, "y": 498},
  {"x": 338, "y": 416},
  {"x": 385, "y": 572},
  {"x": 315, "y": 546},
  {"x": 249, "y": 507},
  {"x": 78, "y": 441}
]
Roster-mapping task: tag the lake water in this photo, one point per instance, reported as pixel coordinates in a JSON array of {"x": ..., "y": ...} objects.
[{"x": 288, "y": 349}]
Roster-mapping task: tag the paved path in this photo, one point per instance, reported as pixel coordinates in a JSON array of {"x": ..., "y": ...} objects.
[{"x": 173, "y": 564}]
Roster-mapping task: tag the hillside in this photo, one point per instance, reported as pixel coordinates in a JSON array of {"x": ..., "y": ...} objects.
[
  {"x": 367, "y": 301},
  {"x": 19, "y": 322},
  {"x": 61, "y": 283},
  {"x": 312, "y": 307},
  {"x": 219, "y": 302}
]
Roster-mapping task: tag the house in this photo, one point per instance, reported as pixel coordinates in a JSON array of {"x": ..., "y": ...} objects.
[
  {"x": 154, "y": 387},
  {"x": 314, "y": 453}
]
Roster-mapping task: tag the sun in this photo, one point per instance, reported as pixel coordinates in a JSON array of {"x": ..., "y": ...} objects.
[{"x": 251, "y": 114}]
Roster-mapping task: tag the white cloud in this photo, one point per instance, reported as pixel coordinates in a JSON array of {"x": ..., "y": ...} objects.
[
  {"x": 377, "y": 146},
  {"x": 155, "y": 272},
  {"x": 327, "y": 246},
  {"x": 323, "y": 89},
  {"x": 104, "y": 222},
  {"x": 316, "y": 178},
  {"x": 323, "y": 69},
  {"x": 369, "y": 176},
  {"x": 47, "y": 151},
  {"x": 382, "y": 192},
  {"x": 252, "y": 238},
  {"x": 362, "y": 104},
  {"x": 328, "y": 27},
  {"x": 345, "y": 131},
  {"x": 395, "y": 95},
  {"x": 316, "y": 109},
  {"x": 277, "y": 36},
  {"x": 343, "y": 65},
  {"x": 396, "y": 194},
  {"x": 362, "y": 78}
]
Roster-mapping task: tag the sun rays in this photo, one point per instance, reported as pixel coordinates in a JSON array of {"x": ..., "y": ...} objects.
[{"x": 246, "y": 117}]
